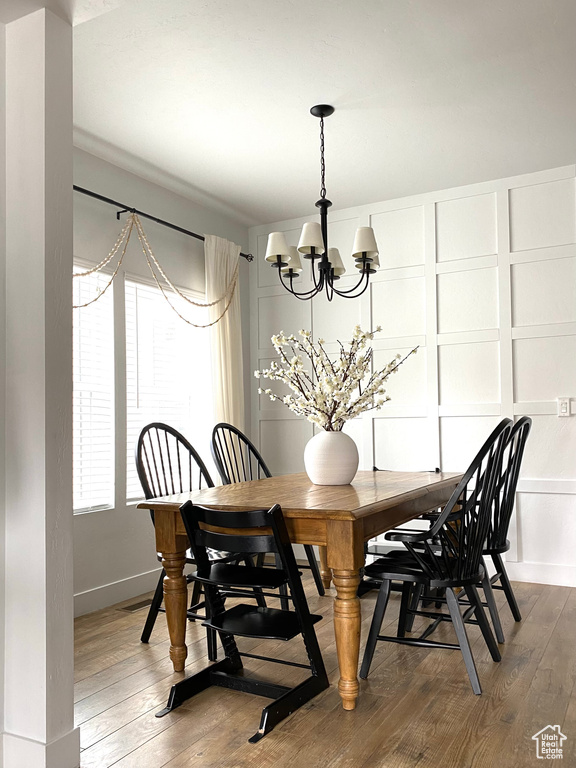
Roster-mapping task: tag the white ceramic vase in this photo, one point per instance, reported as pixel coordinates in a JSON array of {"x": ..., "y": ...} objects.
[{"x": 331, "y": 458}]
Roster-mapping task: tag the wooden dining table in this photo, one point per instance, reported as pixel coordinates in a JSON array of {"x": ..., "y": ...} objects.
[{"x": 338, "y": 519}]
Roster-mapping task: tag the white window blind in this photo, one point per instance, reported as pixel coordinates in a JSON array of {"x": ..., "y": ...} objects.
[
  {"x": 93, "y": 396},
  {"x": 168, "y": 374}
]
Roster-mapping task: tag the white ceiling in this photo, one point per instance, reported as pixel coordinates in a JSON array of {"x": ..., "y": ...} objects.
[
  {"x": 213, "y": 96},
  {"x": 74, "y": 11}
]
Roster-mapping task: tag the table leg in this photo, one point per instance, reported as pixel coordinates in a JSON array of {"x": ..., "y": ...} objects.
[
  {"x": 175, "y": 603},
  {"x": 325, "y": 572},
  {"x": 347, "y": 620}
]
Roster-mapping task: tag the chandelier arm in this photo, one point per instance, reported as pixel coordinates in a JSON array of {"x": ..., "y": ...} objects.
[
  {"x": 347, "y": 293},
  {"x": 329, "y": 290},
  {"x": 317, "y": 283},
  {"x": 315, "y": 236},
  {"x": 304, "y": 295},
  {"x": 363, "y": 276}
]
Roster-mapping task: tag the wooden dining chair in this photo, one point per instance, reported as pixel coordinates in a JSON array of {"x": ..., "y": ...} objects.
[
  {"x": 497, "y": 542},
  {"x": 167, "y": 463},
  {"x": 237, "y": 459},
  {"x": 240, "y": 531},
  {"x": 446, "y": 557},
  {"x": 501, "y": 512}
]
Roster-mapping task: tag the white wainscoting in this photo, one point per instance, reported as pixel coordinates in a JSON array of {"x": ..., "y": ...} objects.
[{"x": 483, "y": 279}]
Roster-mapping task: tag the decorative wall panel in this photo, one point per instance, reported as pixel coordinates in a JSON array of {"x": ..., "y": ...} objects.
[
  {"x": 469, "y": 373},
  {"x": 335, "y": 326},
  {"x": 280, "y": 313},
  {"x": 461, "y": 438},
  {"x": 466, "y": 227},
  {"x": 484, "y": 279},
  {"x": 341, "y": 236},
  {"x": 544, "y": 368},
  {"x": 533, "y": 286},
  {"x": 551, "y": 451},
  {"x": 467, "y": 300},
  {"x": 399, "y": 306},
  {"x": 400, "y": 236},
  {"x": 403, "y": 444},
  {"x": 542, "y": 215},
  {"x": 408, "y": 385},
  {"x": 282, "y": 444},
  {"x": 539, "y": 532}
]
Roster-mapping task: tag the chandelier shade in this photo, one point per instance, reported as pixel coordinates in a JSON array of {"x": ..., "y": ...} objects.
[
  {"x": 311, "y": 242},
  {"x": 277, "y": 249},
  {"x": 365, "y": 244},
  {"x": 294, "y": 263},
  {"x": 326, "y": 263},
  {"x": 336, "y": 261}
]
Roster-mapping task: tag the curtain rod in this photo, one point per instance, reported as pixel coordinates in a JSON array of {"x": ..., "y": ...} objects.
[{"x": 126, "y": 208}]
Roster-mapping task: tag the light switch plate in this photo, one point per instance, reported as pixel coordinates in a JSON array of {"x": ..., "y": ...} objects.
[{"x": 563, "y": 406}]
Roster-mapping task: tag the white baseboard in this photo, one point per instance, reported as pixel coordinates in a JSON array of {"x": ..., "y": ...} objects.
[
  {"x": 542, "y": 573},
  {"x": 20, "y": 752},
  {"x": 108, "y": 594}
]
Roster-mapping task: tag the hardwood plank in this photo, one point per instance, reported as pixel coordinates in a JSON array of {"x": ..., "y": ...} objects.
[
  {"x": 208, "y": 719},
  {"x": 557, "y": 669},
  {"x": 108, "y": 751},
  {"x": 416, "y": 708},
  {"x": 211, "y": 750},
  {"x": 146, "y": 701},
  {"x": 568, "y": 728}
]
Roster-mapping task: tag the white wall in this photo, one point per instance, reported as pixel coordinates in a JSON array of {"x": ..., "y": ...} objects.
[
  {"x": 38, "y": 727},
  {"x": 483, "y": 279},
  {"x": 114, "y": 554},
  {"x": 2, "y": 346}
]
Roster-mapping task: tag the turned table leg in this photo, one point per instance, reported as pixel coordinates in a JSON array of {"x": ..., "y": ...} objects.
[
  {"x": 325, "y": 572},
  {"x": 347, "y": 620},
  {"x": 175, "y": 603}
]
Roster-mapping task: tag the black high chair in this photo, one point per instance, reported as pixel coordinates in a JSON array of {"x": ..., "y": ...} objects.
[{"x": 251, "y": 532}]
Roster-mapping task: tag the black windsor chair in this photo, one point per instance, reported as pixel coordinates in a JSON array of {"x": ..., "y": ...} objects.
[
  {"x": 237, "y": 459},
  {"x": 496, "y": 541},
  {"x": 446, "y": 557},
  {"x": 167, "y": 463},
  {"x": 253, "y": 532}
]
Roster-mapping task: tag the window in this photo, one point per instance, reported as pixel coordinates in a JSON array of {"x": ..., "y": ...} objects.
[
  {"x": 93, "y": 398},
  {"x": 167, "y": 377},
  {"x": 167, "y": 374}
]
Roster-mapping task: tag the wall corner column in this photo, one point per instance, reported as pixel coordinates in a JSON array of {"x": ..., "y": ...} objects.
[{"x": 38, "y": 727}]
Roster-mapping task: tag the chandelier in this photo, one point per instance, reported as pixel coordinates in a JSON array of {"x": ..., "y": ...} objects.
[{"x": 327, "y": 266}]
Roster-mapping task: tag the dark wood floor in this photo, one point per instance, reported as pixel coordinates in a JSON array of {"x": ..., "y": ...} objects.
[{"x": 416, "y": 709}]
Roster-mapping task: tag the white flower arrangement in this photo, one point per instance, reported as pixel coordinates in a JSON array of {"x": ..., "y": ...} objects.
[{"x": 333, "y": 391}]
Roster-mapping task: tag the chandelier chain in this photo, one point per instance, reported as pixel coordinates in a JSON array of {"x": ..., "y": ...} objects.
[
  {"x": 326, "y": 264},
  {"x": 322, "y": 163}
]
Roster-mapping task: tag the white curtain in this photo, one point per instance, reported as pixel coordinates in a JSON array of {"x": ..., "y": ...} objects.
[{"x": 222, "y": 259}]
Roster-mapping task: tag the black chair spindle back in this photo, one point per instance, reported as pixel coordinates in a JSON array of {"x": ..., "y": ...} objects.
[
  {"x": 507, "y": 481},
  {"x": 167, "y": 463},
  {"x": 237, "y": 458},
  {"x": 454, "y": 544}
]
